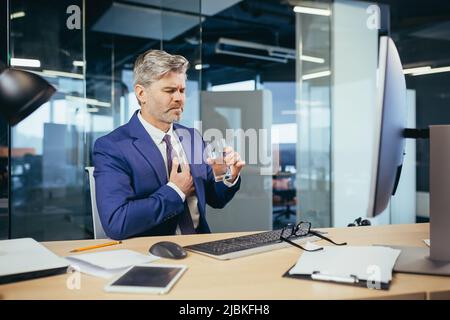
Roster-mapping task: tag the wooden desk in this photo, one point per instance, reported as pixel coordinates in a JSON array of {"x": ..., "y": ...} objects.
[{"x": 253, "y": 277}]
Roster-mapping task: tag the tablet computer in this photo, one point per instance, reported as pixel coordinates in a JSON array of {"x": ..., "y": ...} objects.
[{"x": 155, "y": 278}]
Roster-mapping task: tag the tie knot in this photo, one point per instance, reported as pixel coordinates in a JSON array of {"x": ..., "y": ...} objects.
[{"x": 166, "y": 139}]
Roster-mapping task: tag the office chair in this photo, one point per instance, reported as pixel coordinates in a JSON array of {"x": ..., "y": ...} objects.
[
  {"x": 283, "y": 195},
  {"x": 99, "y": 232}
]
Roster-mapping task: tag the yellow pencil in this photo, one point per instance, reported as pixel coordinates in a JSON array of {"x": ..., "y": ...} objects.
[{"x": 97, "y": 246}]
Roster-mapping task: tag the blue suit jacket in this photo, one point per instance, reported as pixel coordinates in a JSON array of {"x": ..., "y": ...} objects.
[{"x": 133, "y": 198}]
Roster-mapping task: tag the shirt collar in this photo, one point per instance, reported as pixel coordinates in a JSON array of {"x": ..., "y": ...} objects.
[{"x": 156, "y": 134}]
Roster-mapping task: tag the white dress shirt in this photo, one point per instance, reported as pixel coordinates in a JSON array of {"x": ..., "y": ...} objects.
[{"x": 157, "y": 136}]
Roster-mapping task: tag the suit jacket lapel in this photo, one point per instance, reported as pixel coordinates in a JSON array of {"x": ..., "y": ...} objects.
[
  {"x": 193, "y": 153},
  {"x": 145, "y": 145}
]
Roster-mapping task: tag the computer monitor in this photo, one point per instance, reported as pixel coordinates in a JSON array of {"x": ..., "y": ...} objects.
[
  {"x": 389, "y": 148},
  {"x": 390, "y": 122}
]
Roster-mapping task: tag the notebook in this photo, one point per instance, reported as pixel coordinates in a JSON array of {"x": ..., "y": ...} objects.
[
  {"x": 365, "y": 266},
  {"x": 25, "y": 258}
]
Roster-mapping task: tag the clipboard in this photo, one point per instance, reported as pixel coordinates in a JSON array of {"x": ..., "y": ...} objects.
[
  {"x": 350, "y": 280},
  {"x": 364, "y": 266},
  {"x": 28, "y": 259}
]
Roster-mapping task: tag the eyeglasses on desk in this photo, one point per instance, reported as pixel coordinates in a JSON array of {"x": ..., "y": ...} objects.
[{"x": 303, "y": 229}]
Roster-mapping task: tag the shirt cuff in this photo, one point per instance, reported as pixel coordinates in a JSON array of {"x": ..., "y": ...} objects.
[
  {"x": 229, "y": 184},
  {"x": 180, "y": 193}
]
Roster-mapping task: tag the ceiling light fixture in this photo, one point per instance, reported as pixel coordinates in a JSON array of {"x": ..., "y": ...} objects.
[
  {"x": 415, "y": 70},
  {"x": 432, "y": 71},
  {"x": 29, "y": 63},
  {"x": 260, "y": 51},
  {"x": 314, "y": 11},
  {"x": 316, "y": 75},
  {"x": 77, "y": 63},
  {"x": 16, "y": 15},
  {"x": 311, "y": 59},
  {"x": 200, "y": 66}
]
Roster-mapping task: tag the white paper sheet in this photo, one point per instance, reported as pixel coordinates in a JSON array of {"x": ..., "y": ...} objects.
[
  {"x": 108, "y": 263},
  {"x": 365, "y": 262}
]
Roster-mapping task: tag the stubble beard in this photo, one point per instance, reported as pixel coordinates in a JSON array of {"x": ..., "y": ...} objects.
[{"x": 169, "y": 118}]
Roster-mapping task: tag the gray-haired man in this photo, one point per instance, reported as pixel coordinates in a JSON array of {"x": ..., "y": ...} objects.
[{"x": 140, "y": 189}]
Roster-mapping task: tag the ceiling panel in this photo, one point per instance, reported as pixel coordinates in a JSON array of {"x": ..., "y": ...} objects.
[
  {"x": 209, "y": 7},
  {"x": 136, "y": 21}
]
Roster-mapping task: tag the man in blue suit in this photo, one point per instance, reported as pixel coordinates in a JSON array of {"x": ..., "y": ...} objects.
[{"x": 151, "y": 177}]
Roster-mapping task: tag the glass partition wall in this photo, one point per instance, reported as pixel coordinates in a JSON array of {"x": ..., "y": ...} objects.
[
  {"x": 48, "y": 148},
  {"x": 292, "y": 74},
  {"x": 86, "y": 49},
  {"x": 238, "y": 49},
  {"x": 248, "y": 87},
  {"x": 313, "y": 102}
]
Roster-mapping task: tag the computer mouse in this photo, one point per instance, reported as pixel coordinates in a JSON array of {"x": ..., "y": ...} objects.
[{"x": 167, "y": 249}]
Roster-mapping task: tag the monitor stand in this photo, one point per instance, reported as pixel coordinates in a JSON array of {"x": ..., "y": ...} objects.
[
  {"x": 436, "y": 259},
  {"x": 417, "y": 260}
]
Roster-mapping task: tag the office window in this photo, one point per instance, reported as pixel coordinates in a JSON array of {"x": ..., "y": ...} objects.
[{"x": 88, "y": 55}]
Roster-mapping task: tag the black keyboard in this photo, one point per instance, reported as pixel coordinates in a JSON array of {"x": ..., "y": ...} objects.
[{"x": 245, "y": 245}]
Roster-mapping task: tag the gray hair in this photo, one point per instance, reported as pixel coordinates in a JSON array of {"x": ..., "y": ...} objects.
[{"x": 152, "y": 65}]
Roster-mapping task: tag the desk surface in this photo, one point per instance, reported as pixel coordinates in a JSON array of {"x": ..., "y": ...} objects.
[{"x": 253, "y": 277}]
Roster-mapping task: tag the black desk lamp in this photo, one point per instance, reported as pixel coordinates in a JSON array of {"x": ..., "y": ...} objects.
[{"x": 21, "y": 93}]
